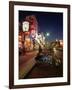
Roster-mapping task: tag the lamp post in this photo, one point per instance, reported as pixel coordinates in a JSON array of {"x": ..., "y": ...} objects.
[
  {"x": 47, "y": 35},
  {"x": 25, "y": 27}
]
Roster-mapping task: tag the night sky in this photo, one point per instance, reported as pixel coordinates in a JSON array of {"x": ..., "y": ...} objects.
[{"x": 47, "y": 22}]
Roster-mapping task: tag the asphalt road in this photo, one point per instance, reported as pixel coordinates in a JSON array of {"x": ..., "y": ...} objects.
[
  {"x": 39, "y": 70},
  {"x": 45, "y": 70}
]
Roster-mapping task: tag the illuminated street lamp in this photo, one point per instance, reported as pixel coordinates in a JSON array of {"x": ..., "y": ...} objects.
[
  {"x": 46, "y": 41},
  {"x": 25, "y": 26},
  {"x": 47, "y": 34}
]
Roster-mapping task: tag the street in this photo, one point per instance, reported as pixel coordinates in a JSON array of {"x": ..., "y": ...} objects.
[
  {"x": 29, "y": 68},
  {"x": 44, "y": 71}
]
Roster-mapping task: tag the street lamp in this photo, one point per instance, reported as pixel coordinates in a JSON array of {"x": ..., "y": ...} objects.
[
  {"x": 47, "y": 34},
  {"x": 47, "y": 42},
  {"x": 25, "y": 27}
]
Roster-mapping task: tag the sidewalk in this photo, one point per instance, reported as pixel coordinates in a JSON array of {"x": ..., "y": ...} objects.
[{"x": 26, "y": 63}]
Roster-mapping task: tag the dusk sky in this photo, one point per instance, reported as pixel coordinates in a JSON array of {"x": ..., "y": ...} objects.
[{"x": 47, "y": 22}]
